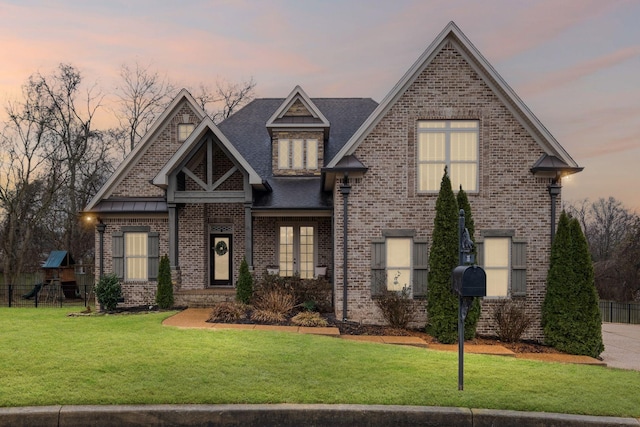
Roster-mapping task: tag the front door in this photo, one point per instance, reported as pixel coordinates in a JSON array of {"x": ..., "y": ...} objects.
[{"x": 220, "y": 255}]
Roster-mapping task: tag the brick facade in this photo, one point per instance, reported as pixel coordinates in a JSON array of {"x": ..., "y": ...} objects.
[
  {"x": 510, "y": 199},
  {"x": 509, "y": 196},
  {"x": 163, "y": 146}
]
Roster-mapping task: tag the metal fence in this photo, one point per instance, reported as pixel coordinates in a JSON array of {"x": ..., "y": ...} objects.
[
  {"x": 31, "y": 290},
  {"x": 620, "y": 312}
]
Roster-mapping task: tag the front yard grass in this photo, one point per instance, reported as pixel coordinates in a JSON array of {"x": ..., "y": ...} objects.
[{"x": 47, "y": 358}]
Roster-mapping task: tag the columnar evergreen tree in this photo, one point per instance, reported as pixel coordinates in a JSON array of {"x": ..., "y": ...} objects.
[
  {"x": 442, "y": 304},
  {"x": 471, "y": 321},
  {"x": 164, "y": 296},
  {"x": 244, "y": 289},
  {"x": 570, "y": 313}
]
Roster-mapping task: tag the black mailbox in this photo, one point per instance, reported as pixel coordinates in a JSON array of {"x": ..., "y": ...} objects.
[{"x": 469, "y": 281}]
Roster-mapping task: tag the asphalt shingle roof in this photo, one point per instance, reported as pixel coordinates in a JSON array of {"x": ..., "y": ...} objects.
[{"x": 247, "y": 131}]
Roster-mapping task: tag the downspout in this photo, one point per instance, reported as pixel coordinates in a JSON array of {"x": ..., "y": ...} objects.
[
  {"x": 345, "y": 189},
  {"x": 554, "y": 191}
]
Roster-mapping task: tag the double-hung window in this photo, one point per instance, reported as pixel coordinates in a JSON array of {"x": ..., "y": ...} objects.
[
  {"x": 452, "y": 144},
  {"x": 398, "y": 263},
  {"x": 504, "y": 259},
  {"x": 497, "y": 265},
  {"x": 135, "y": 253},
  {"x": 399, "y": 260},
  {"x": 296, "y": 250},
  {"x": 298, "y": 154}
]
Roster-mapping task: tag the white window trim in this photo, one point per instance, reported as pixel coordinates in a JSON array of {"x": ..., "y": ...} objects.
[{"x": 447, "y": 130}]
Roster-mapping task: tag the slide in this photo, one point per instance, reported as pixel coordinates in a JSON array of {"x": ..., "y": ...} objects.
[{"x": 33, "y": 291}]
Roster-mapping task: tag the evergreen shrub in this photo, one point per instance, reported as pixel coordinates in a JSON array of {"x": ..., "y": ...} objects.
[
  {"x": 570, "y": 314},
  {"x": 108, "y": 291},
  {"x": 244, "y": 287},
  {"x": 164, "y": 294}
]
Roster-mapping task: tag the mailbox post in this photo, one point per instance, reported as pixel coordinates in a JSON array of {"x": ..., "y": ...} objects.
[{"x": 468, "y": 282}]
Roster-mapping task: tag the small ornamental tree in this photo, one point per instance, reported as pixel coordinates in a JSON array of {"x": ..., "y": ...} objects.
[
  {"x": 108, "y": 291},
  {"x": 471, "y": 321},
  {"x": 442, "y": 304},
  {"x": 570, "y": 313},
  {"x": 244, "y": 288},
  {"x": 164, "y": 296}
]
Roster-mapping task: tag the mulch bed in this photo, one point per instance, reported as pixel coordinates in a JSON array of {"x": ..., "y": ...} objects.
[{"x": 354, "y": 328}]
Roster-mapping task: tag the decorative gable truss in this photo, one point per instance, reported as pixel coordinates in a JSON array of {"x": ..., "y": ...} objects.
[{"x": 208, "y": 169}]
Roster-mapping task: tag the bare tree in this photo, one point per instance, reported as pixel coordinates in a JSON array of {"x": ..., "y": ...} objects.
[
  {"x": 612, "y": 232},
  {"x": 56, "y": 161},
  {"x": 27, "y": 184},
  {"x": 143, "y": 95},
  {"x": 226, "y": 98}
]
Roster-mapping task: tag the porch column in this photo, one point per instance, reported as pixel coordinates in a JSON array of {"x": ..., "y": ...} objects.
[
  {"x": 173, "y": 236},
  {"x": 248, "y": 234}
]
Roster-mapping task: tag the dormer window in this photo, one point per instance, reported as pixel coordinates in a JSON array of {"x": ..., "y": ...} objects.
[
  {"x": 298, "y": 154},
  {"x": 184, "y": 130}
]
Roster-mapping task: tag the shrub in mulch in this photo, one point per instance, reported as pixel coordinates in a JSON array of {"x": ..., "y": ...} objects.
[
  {"x": 228, "y": 312},
  {"x": 310, "y": 319}
]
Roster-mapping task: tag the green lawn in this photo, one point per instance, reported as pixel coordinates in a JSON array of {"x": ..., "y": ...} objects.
[{"x": 47, "y": 358}]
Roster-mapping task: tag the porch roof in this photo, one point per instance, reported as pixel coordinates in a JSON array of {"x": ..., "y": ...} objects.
[
  {"x": 293, "y": 193},
  {"x": 132, "y": 205}
]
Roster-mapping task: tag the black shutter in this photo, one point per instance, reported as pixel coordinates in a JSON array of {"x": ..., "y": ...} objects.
[
  {"x": 153, "y": 255},
  {"x": 518, "y": 268},
  {"x": 420, "y": 267},
  {"x": 117, "y": 253},
  {"x": 378, "y": 266}
]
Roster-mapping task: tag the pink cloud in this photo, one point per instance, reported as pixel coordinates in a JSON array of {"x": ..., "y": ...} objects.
[
  {"x": 571, "y": 74},
  {"x": 538, "y": 23}
]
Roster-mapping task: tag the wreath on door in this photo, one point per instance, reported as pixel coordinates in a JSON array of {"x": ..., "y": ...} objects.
[{"x": 221, "y": 248}]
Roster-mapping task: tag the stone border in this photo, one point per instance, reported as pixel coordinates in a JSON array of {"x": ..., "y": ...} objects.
[{"x": 290, "y": 415}]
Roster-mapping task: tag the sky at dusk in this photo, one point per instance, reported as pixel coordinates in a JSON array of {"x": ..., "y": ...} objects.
[{"x": 574, "y": 63}]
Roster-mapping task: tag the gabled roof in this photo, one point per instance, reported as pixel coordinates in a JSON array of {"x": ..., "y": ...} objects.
[
  {"x": 247, "y": 132},
  {"x": 280, "y": 118},
  {"x": 205, "y": 126},
  {"x": 143, "y": 145},
  {"x": 58, "y": 259},
  {"x": 452, "y": 33}
]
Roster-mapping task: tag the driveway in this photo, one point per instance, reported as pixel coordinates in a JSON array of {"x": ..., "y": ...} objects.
[{"x": 621, "y": 345}]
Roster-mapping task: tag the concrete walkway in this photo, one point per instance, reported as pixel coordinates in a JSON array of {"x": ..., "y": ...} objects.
[{"x": 621, "y": 345}]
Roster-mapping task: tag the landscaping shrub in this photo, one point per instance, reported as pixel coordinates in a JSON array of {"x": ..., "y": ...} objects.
[
  {"x": 570, "y": 314},
  {"x": 273, "y": 305},
  {"x": 309, "y": 318},
  {"x": 397, "y": 308},
  {"x": 228, "y": 312},
  {"x": 244, "y": 287},
  {"x": 511, "y": 320},
  {"x": 164, "y": 296},
  {"x": 305, "y": 291},
  {"x": 442, "y": 304},
  {"x": 108, "y": 291}
]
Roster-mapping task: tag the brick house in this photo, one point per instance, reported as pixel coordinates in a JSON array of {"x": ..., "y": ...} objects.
[{"x": 286, "y": 182}]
